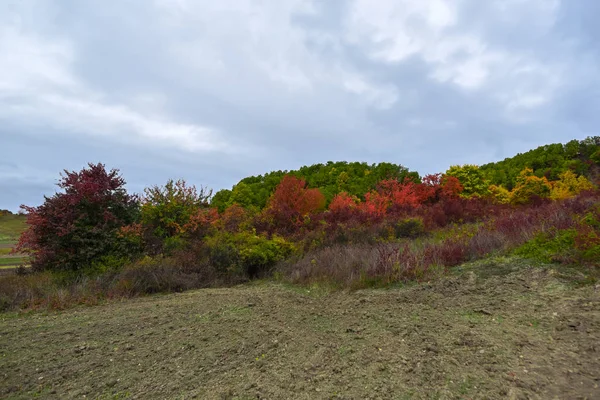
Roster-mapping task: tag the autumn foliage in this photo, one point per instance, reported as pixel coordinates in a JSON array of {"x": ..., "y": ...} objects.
[
  {"x": 290, "y": 203},
  {"x": 78, "y": 226},
  {"x": 177, "y": 236}
]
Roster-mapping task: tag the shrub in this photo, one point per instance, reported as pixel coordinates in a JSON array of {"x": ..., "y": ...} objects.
[
  {"x": 574, "y": 242},
  {"x": 160, "y": 274},
  {"x": 549, "y": 247},
  {"x": 110, "y": 263},
  {"x": 74, "y": 228},
  {"x": 409, "y": 228},
  {"x": 235, "y": 219},
  {"x": 500, "y": 194},
  {"x": 245, "y": 255},
  {"x": 342, "y": 208}
]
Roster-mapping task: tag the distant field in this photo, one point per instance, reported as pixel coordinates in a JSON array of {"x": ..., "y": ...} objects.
[
  {"x": 11, "y": 227},
  {"x": 12, "y": 261}
]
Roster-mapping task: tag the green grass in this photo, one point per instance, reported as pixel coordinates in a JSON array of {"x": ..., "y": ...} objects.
[
  {"x": 11, "y": 227},
  {"x": 12, "y": 261}
]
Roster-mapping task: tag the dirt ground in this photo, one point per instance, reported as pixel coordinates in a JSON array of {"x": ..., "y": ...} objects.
[{"x": 494, "y": 330}]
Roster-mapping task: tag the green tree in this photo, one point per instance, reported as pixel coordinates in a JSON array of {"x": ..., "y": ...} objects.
[
  {"x": 471, "y": 178},
  {"x": 221, "y": 200},
  {"x": 548, "y": 161},
  {"x": 242, "y": 195}
]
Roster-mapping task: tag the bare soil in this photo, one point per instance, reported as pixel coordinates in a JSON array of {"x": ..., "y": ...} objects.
[{"x": 496, "y": 330}]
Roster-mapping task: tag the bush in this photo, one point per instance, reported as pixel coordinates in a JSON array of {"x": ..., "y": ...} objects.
[
  {"x": 548, "y": 247},
  {"x": 246, "y": 255},
  {"x": 574, "y": 241},
  {"x": 108, "y": 263},
  {"x": 74, "y": 228},
  {"x": 160, "y": 275},
  {"x": 409, "y": 228}
]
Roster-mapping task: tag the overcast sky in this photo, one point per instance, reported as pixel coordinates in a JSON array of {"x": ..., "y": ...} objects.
[{"x": 213, "y": 91}]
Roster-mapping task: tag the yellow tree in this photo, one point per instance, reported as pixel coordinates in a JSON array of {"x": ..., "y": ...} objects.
[
  {"x": 529, "y": 187},
  {"x": 500, "y": 194},
  {"x": 569, "y": 185}
]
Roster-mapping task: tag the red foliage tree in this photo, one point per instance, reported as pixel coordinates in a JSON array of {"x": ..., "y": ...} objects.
[
  {"x": 290, "y": 202},
  {"x": 201, "y": 223},
  {"x": 233, "y": 218},
  {"x": 400, "y": 195},
  {"x": 428, "y": 190},
  {"x": 74, "y": 228},
  {"x": 451, "y": 187},
  {"x": 343, "y": 208},
  {"x": 375, "y": 205}
]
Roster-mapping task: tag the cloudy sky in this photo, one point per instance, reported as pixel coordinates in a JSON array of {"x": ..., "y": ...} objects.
[{"x": 213, "y": 91}]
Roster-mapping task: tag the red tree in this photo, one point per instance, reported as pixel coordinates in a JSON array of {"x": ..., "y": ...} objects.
[
  {"x": 343, "y": 208},
  {"x": 451, "y": 187},
  {"x": 74, "y": 228},
  {"x": 290, "y": 202}
]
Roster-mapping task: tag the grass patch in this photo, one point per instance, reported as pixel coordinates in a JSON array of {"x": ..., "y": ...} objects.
[
  {"x": 11, "y": 227},
  {"x": 4, "y": 251},
  {"x": 12, "y": 261}
]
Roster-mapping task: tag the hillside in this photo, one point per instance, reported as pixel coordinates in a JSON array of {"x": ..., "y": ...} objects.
[
  {"x": 582, "y": 157},
  {"x": 355, "y": 178},
  {"x": 497, "y": 329},
  {"x": 11, "y": 227},
  {"x": 331, "y": 178}
]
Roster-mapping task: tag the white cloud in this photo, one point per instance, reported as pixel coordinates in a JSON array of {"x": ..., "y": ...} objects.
[
  {"x": 30, "y": 64},
  {"x": 392, "y": 31},
  {"x": 38, "y": 86},
  {"x": 380, "y": 96},
  {"x": 397, "y": 29},
  {"x": 242, "y": 39},
  {"x": 116, "y": 122}
]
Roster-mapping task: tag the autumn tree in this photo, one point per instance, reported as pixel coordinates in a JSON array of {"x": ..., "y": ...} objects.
[
  {"x": 450, "y": 187},
  {"x": 375, "y": 205},
  {"x": 166, "y": 210},
  {"x": 290, "y": 202},
  {"x": 235, "y": 218},
  {"x": 529, "y": 188},
  {"x": 499, "y": 194},
  {"x": 343, "y": 207},
  {"x": 569, "y": 185},
  {"x": 80, "y": 225}
]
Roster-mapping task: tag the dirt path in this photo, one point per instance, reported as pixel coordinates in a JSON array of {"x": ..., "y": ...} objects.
[{"x": 523, "y": 335}]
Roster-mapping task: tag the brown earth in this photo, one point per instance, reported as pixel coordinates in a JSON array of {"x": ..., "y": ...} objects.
[{"x": 495, "y": 330}]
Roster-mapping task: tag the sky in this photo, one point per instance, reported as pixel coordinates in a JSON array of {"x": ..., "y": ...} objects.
[{"x": 214, "y": 91}]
